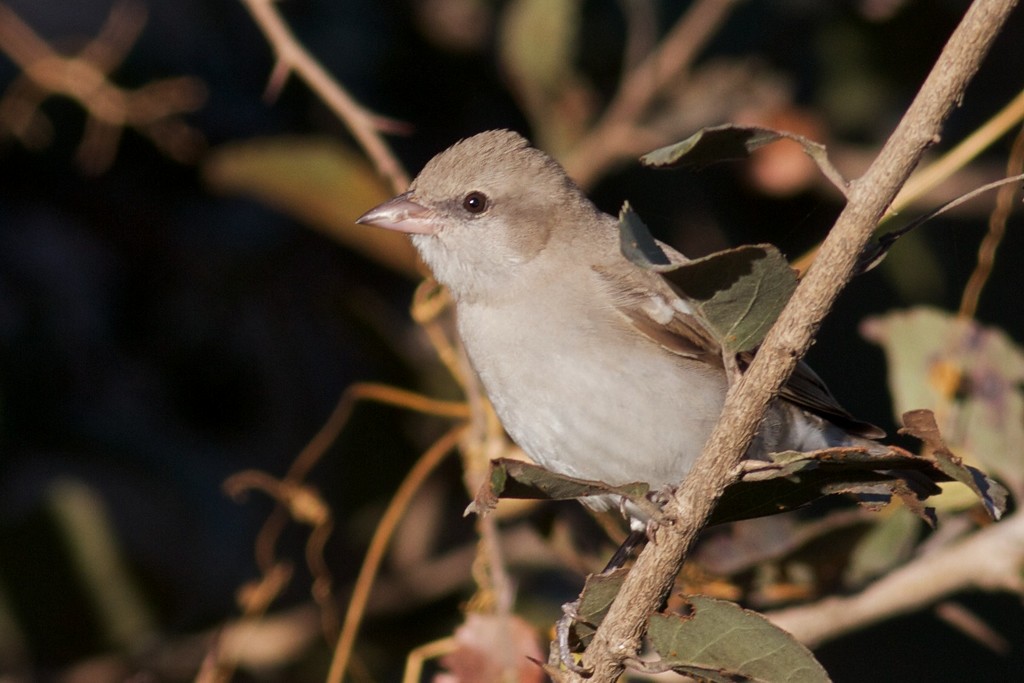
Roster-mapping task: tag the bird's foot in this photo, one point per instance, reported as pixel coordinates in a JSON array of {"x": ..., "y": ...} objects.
[{"x": 563, "y": 629}]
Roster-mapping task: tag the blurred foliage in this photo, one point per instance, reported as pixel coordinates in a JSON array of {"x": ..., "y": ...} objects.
[{"x": 166, "y": 322}]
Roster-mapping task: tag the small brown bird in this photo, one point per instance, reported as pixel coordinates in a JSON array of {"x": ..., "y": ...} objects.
[{"x": 596, "y": 367}]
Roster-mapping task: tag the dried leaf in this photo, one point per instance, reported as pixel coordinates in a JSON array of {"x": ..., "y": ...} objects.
[
  {"x": 728, "y": 641},
  {"x": 921, "y": 425},
  {"x": 790, "y": 480}
]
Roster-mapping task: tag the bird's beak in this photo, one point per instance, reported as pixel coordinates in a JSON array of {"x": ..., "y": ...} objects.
[{"x": 402, "y": 214}]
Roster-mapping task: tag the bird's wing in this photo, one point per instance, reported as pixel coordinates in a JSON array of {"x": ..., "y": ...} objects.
[
  {"x": 659, "y": 312},
  {"x": 655, "y": 310},
  {"x": 808, "y": 391}
]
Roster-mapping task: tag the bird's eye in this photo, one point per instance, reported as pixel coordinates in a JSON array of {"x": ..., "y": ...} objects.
[{"x": 475, "y": 202}]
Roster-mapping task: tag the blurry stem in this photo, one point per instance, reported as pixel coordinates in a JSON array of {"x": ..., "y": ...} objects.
[
  {"x": 949, "y": 163},
  {"x": 641, "y": 31},
  {"x": 996, "y": 231},
  {"x": 989, "y": 559},
  {"x": 365, "y": 126},
  {"x": 961, "y": 155},
  {"x": 152, "y": 109},
  {"x": 266, "y": 540},
  {"x": 619, "y": 131},
  {"x": 429, "y": 302},
  {"x": 620, "y": 634},
  {"x": 427, "y": 463},
  {"x": 418, "y": 656}
]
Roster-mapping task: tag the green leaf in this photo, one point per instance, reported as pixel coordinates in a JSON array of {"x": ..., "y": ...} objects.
[
  {"x": 596, "y": 599},
  {"x": 970, "y": 376},
  {"x": 636, "y": 242},
  {"x": 510, "y": 478},
  {"x": 711, "y": 144},
  {"x": 737, "y": 293},
  {"x": 318, "y": 180},
  {"x": 721, "y": 637},
  {"x": 731, "y": 141}
]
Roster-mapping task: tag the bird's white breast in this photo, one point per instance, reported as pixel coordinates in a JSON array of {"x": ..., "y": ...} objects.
[{"x": 590, "y": 397}]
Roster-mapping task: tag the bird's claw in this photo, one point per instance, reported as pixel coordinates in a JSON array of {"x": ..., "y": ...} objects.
[{"x": 570, "y": 615}]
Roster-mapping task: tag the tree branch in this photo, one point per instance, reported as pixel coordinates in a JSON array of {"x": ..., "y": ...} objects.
[
  {"x": 990, "y": 559},
  {"x": 620, "y": 633},
  {"x": 619, "y": 134},
  {"x": 365, "y": 126}
]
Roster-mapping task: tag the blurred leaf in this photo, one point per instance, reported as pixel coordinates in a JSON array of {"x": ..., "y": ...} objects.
[
  {"x": 538, "y": 42},
  {"x": 970, "y": 376},
  {"x": 102, "y": 568},
  {"x": 318, "y": 181},
  {"x": 886, "y": 545},
  {"x": 746, "y": 544},
  {"x": 737, "y": 293},
  {"x": 732, "y": 141},
  {"x": 719, "y": 640},
  {"x": 489, "y": 647}
]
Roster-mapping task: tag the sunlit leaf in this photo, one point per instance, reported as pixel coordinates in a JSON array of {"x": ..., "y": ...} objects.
[{"x": 969, "y": 376}]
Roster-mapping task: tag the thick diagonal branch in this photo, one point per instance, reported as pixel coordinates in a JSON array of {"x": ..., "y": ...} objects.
[{"x": 620, "y": 633}]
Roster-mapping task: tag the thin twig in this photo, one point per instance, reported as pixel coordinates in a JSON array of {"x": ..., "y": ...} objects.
[
  {"x": 989, "y": 559},
  {"x": 266, "y": 540},
  {"x": 365, "y": 126},
  {"x": 961, "y": 155},
  {"x": 996, "y": 231},
  {"x": 427, "y": 463},
  {"x": 619, "y": 635},
  {"x": 619, "y": 134},
  {"x": 938, "y": 171}
]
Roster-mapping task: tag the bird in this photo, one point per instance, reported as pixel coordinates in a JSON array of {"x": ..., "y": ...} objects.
[{"x": 598, "y": 368}]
